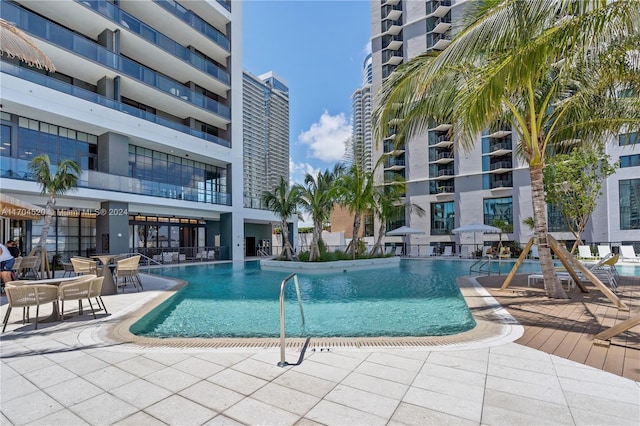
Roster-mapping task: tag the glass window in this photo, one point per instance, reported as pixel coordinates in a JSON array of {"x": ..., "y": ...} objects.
[
  {"x": 630, "y": 160},
  {"x": 555, "y": 222},
  {"x": 629, "y": 204},
  {"x": 628, "y": 139},
  {"x": 442, "y": 218},
  {"x": 498, "y": 209}
]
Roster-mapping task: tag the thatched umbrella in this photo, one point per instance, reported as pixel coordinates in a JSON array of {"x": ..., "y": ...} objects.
[{"x": 14, "y": 43}]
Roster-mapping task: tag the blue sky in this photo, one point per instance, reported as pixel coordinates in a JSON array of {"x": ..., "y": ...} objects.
[{"x": 318, "y": 48}]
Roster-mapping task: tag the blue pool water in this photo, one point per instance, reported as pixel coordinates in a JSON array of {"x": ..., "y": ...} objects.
[{"x": 421, "y": 298}]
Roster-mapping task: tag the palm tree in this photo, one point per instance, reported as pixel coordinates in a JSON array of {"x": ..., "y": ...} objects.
[
  {"x": 14, "y": 42},
  {"x": 555, "y": 71},
  {"x": 355, "y": 192},
  {"x": 284, "y": 203},
  {"x": 317, "y": 196},
  {"x": 65, "y": 179}
]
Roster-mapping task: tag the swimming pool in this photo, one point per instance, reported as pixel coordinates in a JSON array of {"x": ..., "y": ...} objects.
[{"x": 421, "y": 298}]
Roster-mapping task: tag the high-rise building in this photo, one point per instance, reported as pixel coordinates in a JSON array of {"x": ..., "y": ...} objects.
[
  {"x": 490, "y": 181},
  {"x": 361, "y": 136},
  {"x": 265, "y": 135},
  {"x": 147, "y": 98}
]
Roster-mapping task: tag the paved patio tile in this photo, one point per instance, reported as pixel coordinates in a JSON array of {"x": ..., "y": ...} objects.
[
  {"x": 139, "y": 366},
  {"x": 579, "y": 402},
  {"x": 541, "y": 365},
  {"x": 253, "y": 412},
  {"x": 453, "y": 374},
  {"x": 395, "y": 361},
  {"x": 177, "y": 410},
  {"x": 73, "y": 391},
  {"x": 522, "y": 375},
  {"x": 393, "y": 374},
  {"x": 49, "y": 376},
  {"x": 364, "y": 401},
  {"x": 172, "y": 379},
  {"x": 585, "y": 374},
  {"x": 603, "y": 392},
  {"x": 27, "y": 364},
  {"x": 84, "y": 364},
  {"x": 198, "y": 367},
  {"x": 221, "y": 420},
  {"x": 550, "y": 392},
  {"x": 109, "y": 378},
  {"x": 110, "y": 356},
  {"x": 211, "y": 395},
  {"x": 335, "y": 359},
  {"x": 502, "y": 407},
  {"x": 447, "y": 404},
  {"x": 15, "y": 387},
  {"x": 225, "y": 359},
  {"x": 322, "y": 371},
  {"x": 63, "y": 417},
  {"x": 140, "y": 393},
  {"x": 450, "y": 387},
  {"x": 167, "y": 358},
  {"x": 409, "y": 414},
  {"x": 140, "y": 419},
  {"x": 103, "y": 409},
  {"x": 285, "y": 398},
  {"x": 459, "y": 361},
  {"x": 259, "y": 369},
  {"x": 30, "y": 407},
  {"x": 375, "y": 385},
  {"x": 237, "y": 381},
  {"x": 330, "y": 413},
  {"x": 305, "y": 383}
]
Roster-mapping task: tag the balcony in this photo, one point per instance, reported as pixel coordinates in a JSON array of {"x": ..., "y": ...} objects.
[
  {"x": 501, "y": 166},
  {"x": 502, "y": 184},
  {"x": 392, "y": 2},
  {"x": 392, "y": 42},
  {"x": 52, "y": 83},
  {"x": 445, "y": 190},
  {"x": 438, "y": 8},
  {"x": 499, "y": 133},
  {"x": 443, "y": 158},
  {"x": 438, "y": 41},
  {"x": 394, "y": 164},
  {"x": 444, "y": 174},
  {"x": 13, "y": 168},
  {"x": 500, "y": 148},
  {"x": 392, "y": 57},
  {"x": 441, "y": 128},
  {"x": 391, "y": 12},
  {"x": 441, "y": 25},
  {"x": 391, "y": 27},
  {"x": 443, "y": 141}
]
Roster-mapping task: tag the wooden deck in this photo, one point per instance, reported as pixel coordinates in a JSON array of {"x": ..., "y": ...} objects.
[{"x": 566, "y": 327}]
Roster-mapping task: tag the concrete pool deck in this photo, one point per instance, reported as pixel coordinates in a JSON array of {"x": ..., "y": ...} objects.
[{"x": 76, "y": 372}]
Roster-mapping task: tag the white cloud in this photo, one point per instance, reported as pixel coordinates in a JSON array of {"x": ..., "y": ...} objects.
[
  {"x": 297, "y": 172},
  {"x": 367, "y": 48},
  {"x": 326, "y": 137}
]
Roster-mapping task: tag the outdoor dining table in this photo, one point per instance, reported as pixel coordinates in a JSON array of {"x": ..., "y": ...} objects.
[
  {"x": 108, "y": 285},
  {"x": 55, "y": 314}
]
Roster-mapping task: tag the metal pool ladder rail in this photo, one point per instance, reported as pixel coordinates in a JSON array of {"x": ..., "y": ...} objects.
[{"x": 282, "y": 362}]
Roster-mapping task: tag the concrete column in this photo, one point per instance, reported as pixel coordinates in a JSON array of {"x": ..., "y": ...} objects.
[
  {"x": 112, "y": 228},
  {"x": 113, "y": 154}
]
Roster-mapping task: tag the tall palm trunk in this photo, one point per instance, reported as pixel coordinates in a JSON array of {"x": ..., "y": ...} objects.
[
  {"x": 378, "y": 245},
  {"x": 48, "y": 216},
  {"x": 355, "y": 239},
  {"x": 314, "y": 250},
  {"x": 552, "y": 283},
  {"x": 288, "y": 249}
]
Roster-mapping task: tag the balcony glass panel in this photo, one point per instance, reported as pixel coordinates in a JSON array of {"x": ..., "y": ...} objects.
[
  {"x": 195, "y": 21},
  {"x": 117, "y": 15},
  {"x": 52, "y": 83}
]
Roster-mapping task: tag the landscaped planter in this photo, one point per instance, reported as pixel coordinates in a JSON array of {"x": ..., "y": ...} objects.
[{"x": 329, "y": 267}]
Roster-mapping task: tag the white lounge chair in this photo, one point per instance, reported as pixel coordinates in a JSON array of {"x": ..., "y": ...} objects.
[
  {"x": 415, "y": 251},
  {"x": 465, "y": 252},
  {"x": 584, "y": 252},
  {"x": 628, "y": 254},
  {"x": 486, "y": 252},
  {"x": 448, "y": 251},
  {"x": 399, "y": 251},
  {"x": 604, "y": 251},
  {"x": 388, "y": 249},
  {"x": 429, "y": 252}
]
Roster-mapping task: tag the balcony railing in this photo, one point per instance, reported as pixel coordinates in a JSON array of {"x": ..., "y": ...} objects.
[
  {"x": 500, "y": 146},
  {"x": 52, "y": 83},
  {"x": 86, "y": 48},
  {"x": 195, "y": 21},
  {"x": 501, "y": 165},
  {"x": 445, "y": 172},
  {"x": 117, "y": 15},
  {"x": 502, "y": 184},
  {"x": 14, "y": 168}
]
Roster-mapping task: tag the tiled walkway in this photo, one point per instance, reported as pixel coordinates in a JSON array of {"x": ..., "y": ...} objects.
[{"x": 73, "y": 373}]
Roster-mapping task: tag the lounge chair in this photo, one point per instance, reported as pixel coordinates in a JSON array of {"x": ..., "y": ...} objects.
[
  {"x": 487, "y": 252},
  {"x": 628, "y": 254},
  {"x": 430, "y": 251},
  {"x": 584, "y": 252},
  {"x": 465, "y": 252},
  {"x": 415, "y": 251},
  {"x": 505, "y": 253},
  {"x": 604, "y": 251},
  {"x": 448, "y": 251},
  {"x": 388, "y": 250},
  {"x": 399, "y": 251}
]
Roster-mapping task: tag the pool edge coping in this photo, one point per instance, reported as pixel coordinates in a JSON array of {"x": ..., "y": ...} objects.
[{"x": 494, "y": 326}]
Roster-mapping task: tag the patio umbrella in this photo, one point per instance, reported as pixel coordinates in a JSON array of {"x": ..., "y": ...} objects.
[
  {"x": 14, "y": 42},
  {"x": 403, "y": 231},
  {"x": 475, "y": 228}
]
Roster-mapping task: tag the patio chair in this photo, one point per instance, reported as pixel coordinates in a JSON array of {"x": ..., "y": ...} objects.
[
  {"x": 505, "y": 253},
  {"x": 398, "y": 251},
  {"x": 430, "y": 251},
  {"x": 415, "y": 251},
  {"x": 83, "y": 265},
  {"x": 488, "y": 252},
  {"x": 628, "y": 254},
  {"x": 76, "y": 290},
  {"x": 68, "y": 269},
  {"x": 448, "y": 251},
  {"x": 584, "y": 252},
  {"x": 95, "y": 292},
  {"x": 465, "y": 252},
  {"x": 24, "y": 296},
  {"x": 29, "y": 267},
  {"x": 604, "y": 251},
  {"x": 127, "y": 271},
  {"x": 388, "y": 249}
]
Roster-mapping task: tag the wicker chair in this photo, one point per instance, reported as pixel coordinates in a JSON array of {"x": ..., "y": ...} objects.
[
  {"x": 29, "y": 267},
  {"x": 23, "y": 296},
  {"x": 127, "y": 270},
  {"x": 76, "y": 290},
  {"x": 95, "y": 290},
  {"x": 83, "y": 266}
]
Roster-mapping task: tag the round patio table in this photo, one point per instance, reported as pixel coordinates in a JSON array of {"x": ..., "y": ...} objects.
[{"x": 108, "y": 285}]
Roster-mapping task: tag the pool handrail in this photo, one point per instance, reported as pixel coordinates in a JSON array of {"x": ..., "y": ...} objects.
[{"x": 283, "y": 362}]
